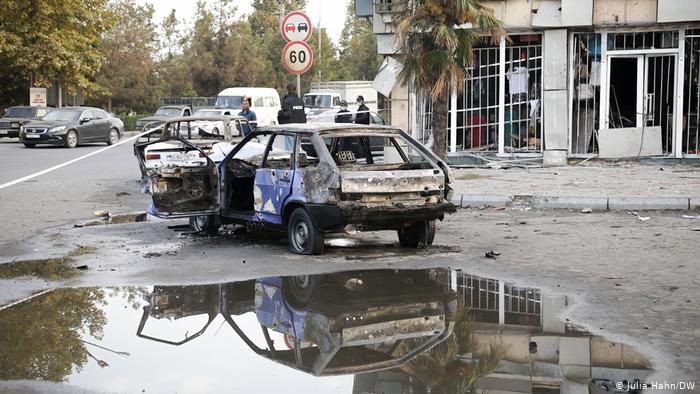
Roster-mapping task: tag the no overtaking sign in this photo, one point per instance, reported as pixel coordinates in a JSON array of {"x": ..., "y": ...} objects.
[{"x": 297, "y": 56}]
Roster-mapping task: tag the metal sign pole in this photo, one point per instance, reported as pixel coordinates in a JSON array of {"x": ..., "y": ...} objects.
[{"x": 299, "y": 85}]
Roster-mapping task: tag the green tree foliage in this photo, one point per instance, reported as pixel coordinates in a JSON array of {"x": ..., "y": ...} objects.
[
  {"x": 358, "y": 48},
  {"x": 129, "y": 48},
  {"x": 42, "y": 41},
  {"x": 41, "y": 339},
  {"x": 436, "y": 52}
]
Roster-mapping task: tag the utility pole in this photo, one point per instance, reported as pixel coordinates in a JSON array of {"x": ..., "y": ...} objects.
[{"x": 319, "y": 40}]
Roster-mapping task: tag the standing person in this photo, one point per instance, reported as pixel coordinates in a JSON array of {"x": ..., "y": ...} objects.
[
  {"x": 343, "y": 116},
  {"x": 249, "y": 115},
  {"x": 362, "y": 116},
  {"x": 292, "y": 107}
]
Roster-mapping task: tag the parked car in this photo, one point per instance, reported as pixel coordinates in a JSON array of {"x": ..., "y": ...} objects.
[
  {"x": 326, "y": 116},
  {"x": 225, "y": 133},
  {"x": 16, "y": 116},
  {"x": 71, "y": 126},
  {"x": 310, "y": 180},
  {"x": 211, "y": 127},
  {"x": 164, "y": 113}
]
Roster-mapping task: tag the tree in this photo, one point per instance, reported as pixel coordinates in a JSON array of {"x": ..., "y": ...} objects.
[
  {"x": 436, "y": 50},
  {"x": 48, "y": 40},
  {"x": 171, "y": 32},
  {"x": 358, "y": 47},
  {"x": 129, "y": 48},
  {"x": 41, "y": 339}
]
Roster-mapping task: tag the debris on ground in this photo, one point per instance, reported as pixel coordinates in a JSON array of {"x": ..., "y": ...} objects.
[
  {"x": 151, "y": 254},
  {"x": 122, "y": 194},
  {"x": 82, "y": 267},
  {"x": 586, "y": 210},
  {"x": 639, "y": 217},
  {"x": 690, "y": 217},
  {"x": 491, "y": 254}
]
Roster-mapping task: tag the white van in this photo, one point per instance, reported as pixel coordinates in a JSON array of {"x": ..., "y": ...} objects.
[{"x": 265, "y": 102}]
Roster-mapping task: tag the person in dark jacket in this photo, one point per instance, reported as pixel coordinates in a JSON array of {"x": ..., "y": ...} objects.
[
  {"x": 362, "y": 116},
  {"x": 343, "y": 116},
  {"x": 292, "y": 107}
]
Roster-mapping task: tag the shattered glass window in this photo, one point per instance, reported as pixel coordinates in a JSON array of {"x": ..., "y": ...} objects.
[{"x": 368, "y": 152}]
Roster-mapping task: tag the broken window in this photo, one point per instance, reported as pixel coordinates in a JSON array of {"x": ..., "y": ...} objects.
[
  {"x": 690, "y": 144},
  {"x": 585, "y": 113}
]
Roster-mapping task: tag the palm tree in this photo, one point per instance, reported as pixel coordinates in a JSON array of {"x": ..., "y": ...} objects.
[{"x": 436, "y": 38}]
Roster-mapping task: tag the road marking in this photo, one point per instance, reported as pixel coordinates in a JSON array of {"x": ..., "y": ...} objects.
[
  {"x": 25, "y": 299},
  {"x": 69, "y": 162}
]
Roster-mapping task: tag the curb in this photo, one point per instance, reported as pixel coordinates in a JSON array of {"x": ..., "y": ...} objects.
[{"x": 578, "y": 202}]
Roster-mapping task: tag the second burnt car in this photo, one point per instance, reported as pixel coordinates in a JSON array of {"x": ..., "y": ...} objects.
[{"x": 310, "y": 180}]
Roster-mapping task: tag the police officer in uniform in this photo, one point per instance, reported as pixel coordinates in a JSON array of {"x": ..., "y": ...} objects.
[{"x": 292, "y": 107}]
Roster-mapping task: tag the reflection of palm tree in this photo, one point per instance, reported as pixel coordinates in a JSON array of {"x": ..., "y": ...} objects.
[{"x": 442, "y": 370}]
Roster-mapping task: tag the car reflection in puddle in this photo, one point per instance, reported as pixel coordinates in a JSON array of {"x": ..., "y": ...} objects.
[{"x": 381, "y": 331}]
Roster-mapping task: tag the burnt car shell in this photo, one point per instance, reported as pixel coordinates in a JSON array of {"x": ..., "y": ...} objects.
[
  {"x": 355, "y": 321},
  {"x": 261, "y": 191}
]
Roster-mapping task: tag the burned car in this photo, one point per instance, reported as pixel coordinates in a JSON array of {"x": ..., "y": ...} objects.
[
  {"x": 310, "y": 180},
  {"x": 215, "y": 135},
  {"x": 329, "y": 324}
]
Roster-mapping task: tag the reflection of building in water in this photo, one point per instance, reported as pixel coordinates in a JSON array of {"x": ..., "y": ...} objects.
[{"x": 542, "y": 353}]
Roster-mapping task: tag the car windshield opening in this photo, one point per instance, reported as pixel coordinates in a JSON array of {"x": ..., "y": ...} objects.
[
  {"x": 19, "y": 112},
  {"x": 168, "y": 112},
  {"x": 63, "y": 114},
  {"x": 374, "y": 153},
  {"x": 229, "y": 101},
  {"x": 320, "y": 101}
]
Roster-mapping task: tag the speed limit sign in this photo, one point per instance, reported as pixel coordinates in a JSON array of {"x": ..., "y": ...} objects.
[{"x": 297, "y": 57}]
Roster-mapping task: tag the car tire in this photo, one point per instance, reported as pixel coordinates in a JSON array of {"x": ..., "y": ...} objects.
[
  {"x": 418, "y": 235},
  {"x": 30, "y": 146},
  {"x": 299, "y": 289},
  {"x": 71, "y": 139},
  {"x": 113, "y": 137},
  {"x": 215, "y": 131},
  {"x": 205, "y": 224},
  {"x": 302, "y": 234}
]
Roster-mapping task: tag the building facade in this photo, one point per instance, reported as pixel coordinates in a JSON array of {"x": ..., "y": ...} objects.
[{"x": 575, "y": 78}]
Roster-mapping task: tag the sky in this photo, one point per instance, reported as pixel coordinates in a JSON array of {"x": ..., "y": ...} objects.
[{"x": 332, "y": 12}]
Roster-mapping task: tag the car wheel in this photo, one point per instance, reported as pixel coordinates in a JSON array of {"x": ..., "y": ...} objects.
[
  {"x": 418, "y": 234},
  {"x": 299, "y": 289},
  {"x": 113, "y": 137},
  {"x": 71, "y": 139},
  {"x": 215, "y": 131},
  {"x": 29, "y": 145},
  {"x": 303, "y": 236},
  {"x": 205, "y": 224}
]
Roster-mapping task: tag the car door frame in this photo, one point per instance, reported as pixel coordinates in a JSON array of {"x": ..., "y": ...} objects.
[
  {"x": 86, "y": 130},
  {"x": 102, "y": 125},
  {"x": 278, "y": 183},
  {"x": 214, "y": 180}
]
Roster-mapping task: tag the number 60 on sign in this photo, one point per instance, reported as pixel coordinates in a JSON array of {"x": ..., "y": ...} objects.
[{"x": 297, "y": 57}]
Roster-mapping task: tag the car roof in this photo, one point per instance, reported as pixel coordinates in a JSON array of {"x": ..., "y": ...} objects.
[
  {"x": 329, "y": 128},
  {"x": 30, "y": 106},
  {"x": 174, "y": 106},
  {"x": 242, "y": 91}
]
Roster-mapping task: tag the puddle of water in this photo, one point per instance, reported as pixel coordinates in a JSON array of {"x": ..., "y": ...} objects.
[
  {"x": 398, "y": 331},
  {"x": 52, "y": 268}
]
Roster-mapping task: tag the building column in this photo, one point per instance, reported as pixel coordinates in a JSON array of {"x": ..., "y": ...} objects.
[{"x": 555, "y": 99}]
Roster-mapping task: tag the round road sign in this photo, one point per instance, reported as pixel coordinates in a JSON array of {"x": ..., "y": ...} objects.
[
  {"x": 296, "y": 26},
  {"x": 297, "y": 57}
]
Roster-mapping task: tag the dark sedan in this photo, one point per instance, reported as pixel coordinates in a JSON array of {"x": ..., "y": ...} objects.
[
  {"x": 70, "y": 126},
  {"x": 16, "y": 116}
]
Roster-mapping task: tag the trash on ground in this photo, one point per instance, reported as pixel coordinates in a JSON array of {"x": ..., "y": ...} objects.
[
  {"x": 586, "y": 210},
  {"x": 690, "y": 217},
  {"x": 639, "y": 217},
  {"x": 491, "y": 254}
]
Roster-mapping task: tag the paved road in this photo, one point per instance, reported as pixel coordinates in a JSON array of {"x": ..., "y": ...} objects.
[{"x": 68, "y": 194}]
